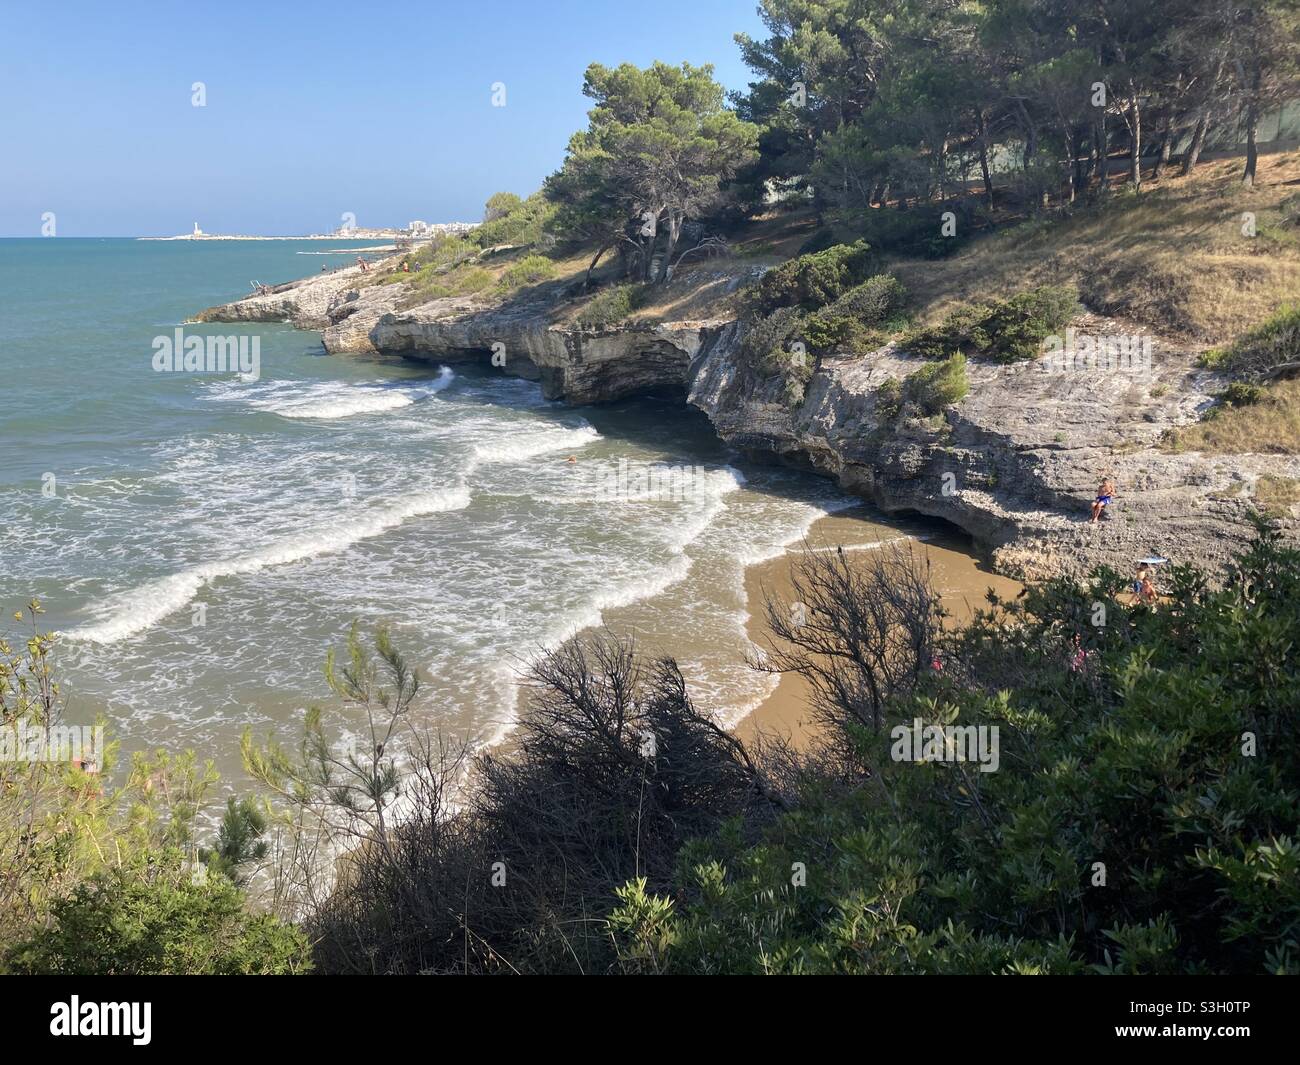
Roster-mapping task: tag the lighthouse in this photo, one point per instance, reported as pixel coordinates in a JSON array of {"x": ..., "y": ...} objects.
[{"x": 197, "y": 231}]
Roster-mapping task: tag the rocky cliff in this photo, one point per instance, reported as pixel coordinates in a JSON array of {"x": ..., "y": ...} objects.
[{"x": 1015, "y": 464}]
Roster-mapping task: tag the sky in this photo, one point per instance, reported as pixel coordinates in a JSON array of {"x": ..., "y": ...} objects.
[{"x": 383, "y": 111}]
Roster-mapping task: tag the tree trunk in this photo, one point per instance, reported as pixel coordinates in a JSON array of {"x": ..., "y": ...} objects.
[
  {"x": 1068, "y": 139},
  {"x": 1252, "y": 130},
  {"x": 1080, "y": 166},
  {"x": 1166, "y": 148},
  {"x": 1135, "y": 142},
  {"x": 586, "y": 281},
  {"x": 984, "y": 155},
  {"x": 1031, "y": 134},
  {"x": 1252, "y": 149},
  {"x": 674, "y": 234},
  {"x": 1198, "y": 142},
  {"x": 1103, "y": 156}
]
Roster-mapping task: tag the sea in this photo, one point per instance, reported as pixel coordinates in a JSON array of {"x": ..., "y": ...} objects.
[{"x": 201, "y": 540}]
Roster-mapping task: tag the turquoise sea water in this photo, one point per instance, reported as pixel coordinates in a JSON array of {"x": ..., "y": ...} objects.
[{"x": 201, "y": 540}]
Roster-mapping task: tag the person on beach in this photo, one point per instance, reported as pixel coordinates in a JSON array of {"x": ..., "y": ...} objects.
[
  {"x": 1104, "y": 496},
  {"x": 362, "y": 263},
  {"x": 1147, "y": 594},
  {"x": 1142, "y": 574}
]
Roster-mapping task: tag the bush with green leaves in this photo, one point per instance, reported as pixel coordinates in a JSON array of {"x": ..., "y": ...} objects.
[
  {"x": 96, "y": 858},
  {"x": 813, "y": 280},
  {"x": 608, "y": 307},
  {"x": 850, "y": 324},
  {"x": 999, "y": 330},
  {"x": 889, "y": 399},
  {"x": 529, "y": 270},
  {"x": 1270, "y": 350},
  {"x": 160, "y": 918},
  {"x": 937, "y": 385},
  {"x": 769, "y": 348},
  {"x": 1143, "y": 816},
  {"x": 1237, "y": 394},
  {"x": 510, "y": 220}
]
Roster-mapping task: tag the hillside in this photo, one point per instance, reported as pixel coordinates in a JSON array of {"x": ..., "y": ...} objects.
[{"x": 1015, "y": 462}]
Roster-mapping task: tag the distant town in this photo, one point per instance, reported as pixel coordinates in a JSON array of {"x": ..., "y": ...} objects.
[{"x": 413, "y": 232}]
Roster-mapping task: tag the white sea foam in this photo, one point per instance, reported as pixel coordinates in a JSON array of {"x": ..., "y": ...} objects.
[
  {"x": 519, "y": 447},
  {"x": 319, "y": 400},
  {"x": 624, "y": 593},
  {"x": 143, "y": 607}
]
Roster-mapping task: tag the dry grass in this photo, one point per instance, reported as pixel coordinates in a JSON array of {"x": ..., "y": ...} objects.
[
  {"x": 1271, "y": 426},
  {"x": 1174, "y": 259},
  {"x": 1277, "y": 495}
]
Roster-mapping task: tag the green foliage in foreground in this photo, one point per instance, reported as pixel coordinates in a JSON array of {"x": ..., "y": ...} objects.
[
  {"x": 1000, "y": 330},
  {"x": 1271, "y": 348},
  {"x": 1142, "y": 818},
  {"x": 100, "y": 867},
  {"x": 161, "y": 920},
  {"x": 1142, "y": 815}
]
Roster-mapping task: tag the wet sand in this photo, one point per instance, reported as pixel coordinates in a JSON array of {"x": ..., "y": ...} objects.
[{"x": 960, "y": 577}]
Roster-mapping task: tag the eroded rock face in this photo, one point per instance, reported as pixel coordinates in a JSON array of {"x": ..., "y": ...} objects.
[{"x": 1016, "y": 463}]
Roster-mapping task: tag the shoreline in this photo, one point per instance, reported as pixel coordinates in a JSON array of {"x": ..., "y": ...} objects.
[{"x": 959, "y": 574}]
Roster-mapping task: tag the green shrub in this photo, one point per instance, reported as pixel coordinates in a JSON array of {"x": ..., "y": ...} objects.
[
  {"x": 813, "y": 280},
  {"x": 848, "y": 324},
  {"x": 1142, "y": 817},
  {"x": 1000, "y": 330},
  {"x": 1261, "y": 353},
  {"x": 447, "y": 250},
  {"x": 160, "y": 920},
  {"x": 528, "y": 271},
  {"x": 608, "y": 307},
  {"x": 889, "y": 399},
  {"x": 523, "y": 223},
  {"x": 937, "y": 385},
  {"x": 468, "y": 280},
  {"x": 767, "y": 337},
  {"x": 1240, "y": 394}
]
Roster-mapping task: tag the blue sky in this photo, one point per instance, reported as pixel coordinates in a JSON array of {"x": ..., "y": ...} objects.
[{"x": 313, "y": 109}]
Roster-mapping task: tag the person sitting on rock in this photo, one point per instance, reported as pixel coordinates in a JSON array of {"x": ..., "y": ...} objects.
[{"x": 1104, "y": 496}]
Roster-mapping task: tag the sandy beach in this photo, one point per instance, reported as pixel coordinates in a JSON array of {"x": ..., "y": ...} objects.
[{"x": 959, "y": 575}]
